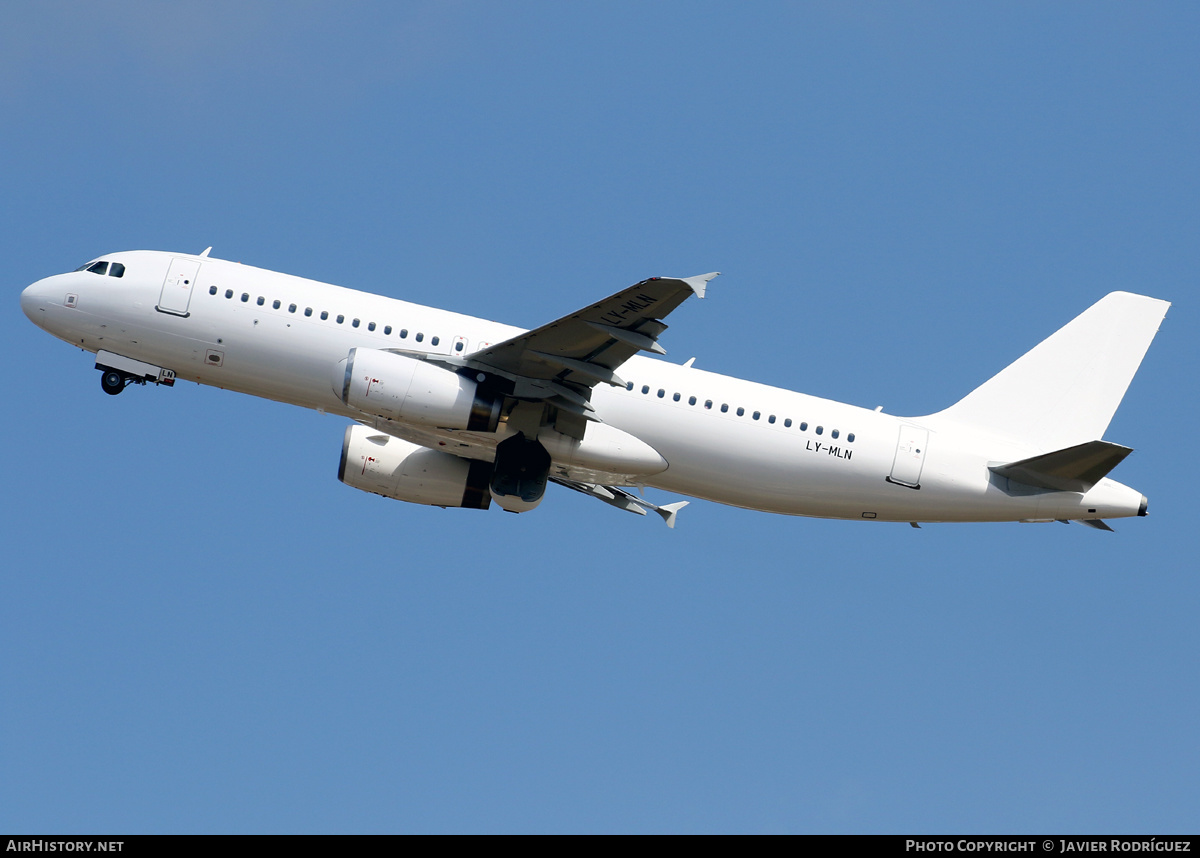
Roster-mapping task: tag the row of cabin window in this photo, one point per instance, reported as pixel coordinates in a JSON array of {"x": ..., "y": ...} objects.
[
  {"x": 708, "y": 403},
  {"x": 308, "y": 311}
]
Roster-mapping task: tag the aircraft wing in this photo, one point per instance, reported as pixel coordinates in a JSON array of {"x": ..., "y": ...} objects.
[
  {"x": 622, "y": 499},
  {"x": 586, "y": 347}
]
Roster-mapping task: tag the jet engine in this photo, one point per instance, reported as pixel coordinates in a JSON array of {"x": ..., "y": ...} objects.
[
  {"x": 522, "y": 467},
  {"x": 402, "y": 388},
  {"x": 388, "y": 466}
]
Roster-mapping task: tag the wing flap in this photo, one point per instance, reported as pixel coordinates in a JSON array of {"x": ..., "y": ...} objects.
[
  {"x": 587, "y": 369},
  {"x": 640, "y": 341}
]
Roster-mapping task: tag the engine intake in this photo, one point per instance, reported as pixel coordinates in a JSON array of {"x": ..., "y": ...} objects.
[
  {"x": 397, "y": 387},
  {"x": 518, "y": 480},
  {"x": 381, "y": 464}
]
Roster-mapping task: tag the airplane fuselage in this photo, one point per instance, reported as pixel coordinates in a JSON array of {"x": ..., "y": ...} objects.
[{"x": 723, "y": 439}]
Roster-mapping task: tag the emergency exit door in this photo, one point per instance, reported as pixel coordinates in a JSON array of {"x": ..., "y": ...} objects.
[
  {"x": 177, "y": 288},
  {"x": 910, "y": 456}
]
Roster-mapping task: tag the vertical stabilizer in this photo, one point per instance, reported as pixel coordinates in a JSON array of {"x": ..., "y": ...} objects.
[{"x": 1066, "y": 389}]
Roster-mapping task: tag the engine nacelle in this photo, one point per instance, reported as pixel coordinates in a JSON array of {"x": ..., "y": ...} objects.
[
  {"x": 518, "y": 480},
  {"x": 415, "y": 391},
  {"x": 388, "y": 466}
]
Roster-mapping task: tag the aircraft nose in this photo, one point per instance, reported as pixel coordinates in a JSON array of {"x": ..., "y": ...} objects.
[
  {"x": 34, "y": 300},
  {"x": 31, "y": 299}
]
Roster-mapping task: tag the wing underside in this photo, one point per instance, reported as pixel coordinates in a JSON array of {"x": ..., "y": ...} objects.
[
  {"x": 622, "y": 499},
  {"x": 562, "y": 361}
]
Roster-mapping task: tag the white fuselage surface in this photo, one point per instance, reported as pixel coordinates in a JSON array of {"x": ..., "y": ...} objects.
[{"x": 723, "y": 439}]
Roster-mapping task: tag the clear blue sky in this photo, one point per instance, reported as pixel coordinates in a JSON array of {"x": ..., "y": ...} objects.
[{"x": 201, "y": 629}]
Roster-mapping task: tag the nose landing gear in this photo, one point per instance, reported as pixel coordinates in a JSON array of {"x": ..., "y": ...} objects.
[
  {"x": 113, "y": 382},
  {"x": 118, "y": 372}
]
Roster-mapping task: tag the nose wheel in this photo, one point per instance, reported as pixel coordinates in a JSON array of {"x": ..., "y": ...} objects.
[{"x": 113, "y": 382}]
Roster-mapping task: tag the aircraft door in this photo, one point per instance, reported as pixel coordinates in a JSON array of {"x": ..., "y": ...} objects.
[
  {"x": 177, "y": 288},
  {"x": 910, "y": 456}
]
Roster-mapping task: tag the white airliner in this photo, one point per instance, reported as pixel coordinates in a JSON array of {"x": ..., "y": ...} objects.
[{"x": 455, "y": 411}]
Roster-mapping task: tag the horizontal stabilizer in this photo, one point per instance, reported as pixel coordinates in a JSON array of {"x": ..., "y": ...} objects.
[
  {"x": 1098, "y": 523},
  {"x": 1075, "y": 469}
]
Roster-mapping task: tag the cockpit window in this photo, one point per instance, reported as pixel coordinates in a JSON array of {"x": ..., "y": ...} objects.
[{"x": 102, "y": 267}]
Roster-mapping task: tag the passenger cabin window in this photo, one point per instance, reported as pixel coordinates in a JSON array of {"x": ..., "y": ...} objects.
[
  {"x": 116, "y": 270},
  {"x": 387, "y": 330},
  {"x": 661, "y": 393},
  {"x": 276, "y": 303},
  {"x": 308, "y": 311},
  {"x": 787, "y": 422},
  {"x": 228, "y": 293},
  {"x": 261, "y": 300},
  {"x": 803, "y": 427},
  {"x": 420, "y": 337},
  {"x": 458, "y": 346},
  {"x": 724, "y": 407},
  {"x": 708, "y": 404},
  {"x": 676, "y": 397},
  {"x": 245, "y": 297},
  {"x": 291, "y": 308},
  {"x": 691, "y": 400},
  {"x": 370, "y": 326},
  {"x": 212, "y": 290},
  {"x": 833, "y": 434},
  {"x": 434, "y": 341},
  {"x": 354, "y": 324},
  {"x": 645, "y": 388},
  {"x": 324, "y": 315},
  {"x": 340, "y": 318},
  {"x": 404, "y": 333},
  {"x": 741, "y": 411},
  {"x": 850, "y": 438},
  {"x": 629, "y": 385},
  {"x": 820, "y": 429},
  {"x": 771, "y": 419}
]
